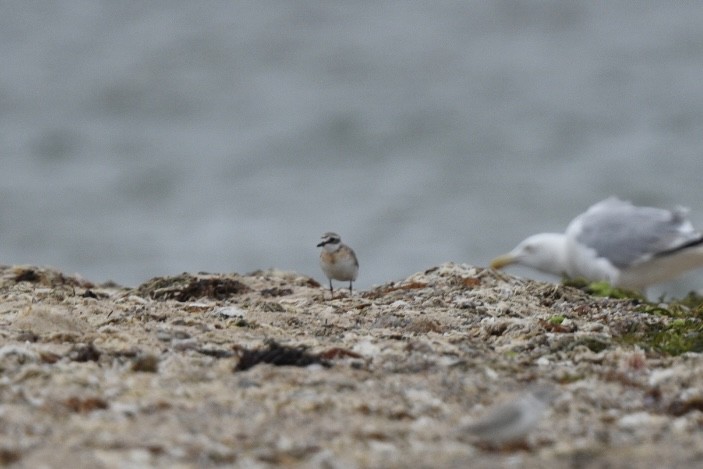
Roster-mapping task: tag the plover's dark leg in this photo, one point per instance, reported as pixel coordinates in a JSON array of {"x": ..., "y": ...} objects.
[
  {"x": 331, "y": 291},
  {"x": 350, "y": 287}
]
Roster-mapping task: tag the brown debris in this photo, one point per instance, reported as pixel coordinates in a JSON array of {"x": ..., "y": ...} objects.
[
  {"x": 9, "y": 456},
  {"x": 682, "y": 407},
  {"x": 84, "y": 353},
  {"x": 558, "y": 328},
  {"x": 274, "y": 292},
  {"x": 146, "y": 363},
  {"x": 47, "y": 277},
  {"x": 84, "y": 405},
  {"x": 186, "y": 287},
  {"x": 277, "y": 355}
]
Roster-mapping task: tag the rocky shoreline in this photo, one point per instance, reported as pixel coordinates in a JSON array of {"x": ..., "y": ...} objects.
[{"x": 154, "y": 376}]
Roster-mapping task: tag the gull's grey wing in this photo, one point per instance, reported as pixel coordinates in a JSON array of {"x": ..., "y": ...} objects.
[{"x": 627, "y": 235}]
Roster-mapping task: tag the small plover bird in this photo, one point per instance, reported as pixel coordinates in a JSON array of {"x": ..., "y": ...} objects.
[
  {"x": 337, "y": 260},
  {"x": 510, "y": 421}
]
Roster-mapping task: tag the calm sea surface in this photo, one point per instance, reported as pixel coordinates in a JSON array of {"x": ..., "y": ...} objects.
[{"x": 149, "y": 138}]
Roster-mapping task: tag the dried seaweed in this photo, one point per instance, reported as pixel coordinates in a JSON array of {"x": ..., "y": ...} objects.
[
  {"x": 146, "y": 363},
  {"x": 278, "y": 355},
  {"x": 274, "y": 292},
  {"x": 216, "y": 353},
  {"x": 681, "y": 407},
  {"x": 84, "y": 353},
  {"x": 85, "y": 405},
  {"x": 188, "y": 287},
  {"x": 48, "y": 277}
]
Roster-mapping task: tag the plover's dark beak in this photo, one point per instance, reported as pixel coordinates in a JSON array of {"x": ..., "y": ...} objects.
[{"x": 322, "y": 243}]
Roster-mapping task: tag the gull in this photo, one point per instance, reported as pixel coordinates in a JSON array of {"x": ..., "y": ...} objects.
[
  {"x": 338, "y": 260},
  {"x": 628, "y": 246}
]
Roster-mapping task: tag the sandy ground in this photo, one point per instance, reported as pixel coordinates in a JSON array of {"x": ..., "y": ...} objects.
[{"x": 105, "y": 376}]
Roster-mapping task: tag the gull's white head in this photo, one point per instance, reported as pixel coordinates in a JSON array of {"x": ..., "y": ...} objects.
[{"x": 545, "y": 252}]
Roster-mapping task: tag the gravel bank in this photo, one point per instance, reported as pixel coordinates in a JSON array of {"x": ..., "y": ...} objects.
[{"x": 183, "y": 371}]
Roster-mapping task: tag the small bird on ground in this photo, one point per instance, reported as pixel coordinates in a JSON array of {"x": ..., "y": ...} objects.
[
  {"x": 510, "y": 422},
  {"x": 628, "y": 246},
  {"x": 338, "y": 260}
]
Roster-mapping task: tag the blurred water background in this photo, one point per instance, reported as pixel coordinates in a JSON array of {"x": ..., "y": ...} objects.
[{"x": 150, "y": 138}]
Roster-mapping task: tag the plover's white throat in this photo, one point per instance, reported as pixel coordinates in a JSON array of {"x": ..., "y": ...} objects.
[{"x": 338, "y": 260}]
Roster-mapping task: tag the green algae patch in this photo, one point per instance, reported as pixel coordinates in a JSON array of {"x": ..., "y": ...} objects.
[
  {"x": 689, "y": 307},
  {"x": 603, "y": 289},
  {"x": 678, "y": 330},
  {"x": 680, "y": 335},
  {"x": 693, "y": 301},
  {"x": 556, "y": 320}
]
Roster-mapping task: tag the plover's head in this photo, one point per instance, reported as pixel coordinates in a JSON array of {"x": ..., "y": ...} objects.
[{"x": 329, "y": 238}]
